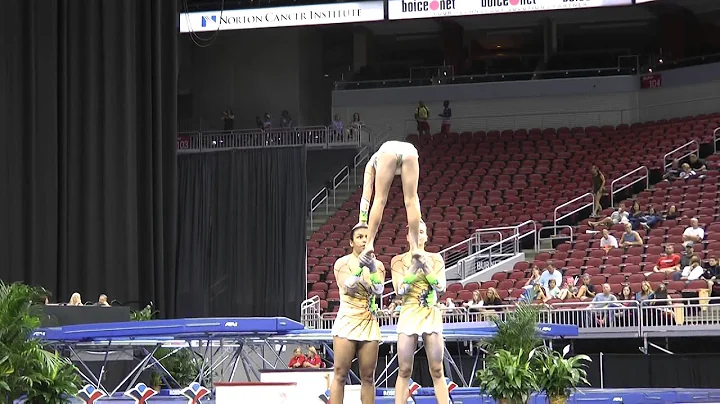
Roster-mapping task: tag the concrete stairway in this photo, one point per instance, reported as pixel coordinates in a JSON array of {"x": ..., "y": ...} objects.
[{"x": 342, "y": 194}]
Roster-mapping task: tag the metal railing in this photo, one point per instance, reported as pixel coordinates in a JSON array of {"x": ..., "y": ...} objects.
[
  {"x": 556, "y": 219},
  {"x": 313, "y": 137},
  {"x": 579, "y": 118},
  {"x": 716, "y": 137},
  {"x": 320, "y": 199},
  {"x": 490, "y": 255},
  {"x": 619, "y": 319},
  {"x": 645, "y": 176},
  {"x": 686, "y": 146},
  {"x": 340, "y": 178},
  {"x": 570, "y": 237}
]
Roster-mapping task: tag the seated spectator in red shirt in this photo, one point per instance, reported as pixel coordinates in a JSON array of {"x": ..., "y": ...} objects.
[
  {"x": 313, "y": 359},
  {"x": 670, "y": 262},
  {"x": 298, "y": 359}
]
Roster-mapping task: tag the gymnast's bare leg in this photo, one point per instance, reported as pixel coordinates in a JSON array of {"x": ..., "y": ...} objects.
[{"x": 381, "y": 175}]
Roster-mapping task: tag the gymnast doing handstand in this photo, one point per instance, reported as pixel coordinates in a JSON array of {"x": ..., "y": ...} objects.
[
  {"x": 391, "y": 159},
  {"x": 419, "y": 287},
  {"x": 356, "y": 328}
]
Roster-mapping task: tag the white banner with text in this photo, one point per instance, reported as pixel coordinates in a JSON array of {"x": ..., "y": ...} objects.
[
  {"x": 407, "y": 9},
  {"x": 294, "y": 16}
]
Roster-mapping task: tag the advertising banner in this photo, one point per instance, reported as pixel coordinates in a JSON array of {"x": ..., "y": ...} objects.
[
  {"x": 407, "y": 9},
  {"x": 293, "y": 16}
]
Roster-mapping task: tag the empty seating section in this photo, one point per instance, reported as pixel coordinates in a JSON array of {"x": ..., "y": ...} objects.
[{"x": 479, "y": 180}]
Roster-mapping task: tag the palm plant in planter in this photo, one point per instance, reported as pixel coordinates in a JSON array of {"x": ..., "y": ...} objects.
[
  {"x": 561, "y": 376},
  {"x": 508, "y": 377},
  {"x": 509, "y": 374},
  {"x": 27, "y": 369}
]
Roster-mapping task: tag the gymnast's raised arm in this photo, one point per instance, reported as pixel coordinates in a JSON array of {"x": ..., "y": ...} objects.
[{"x": 368, "y": 186}]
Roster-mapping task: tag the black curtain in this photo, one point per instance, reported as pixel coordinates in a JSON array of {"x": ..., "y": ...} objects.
[
  {"x": 241, "y": 233},
  {"x": 88, "y": 128}
]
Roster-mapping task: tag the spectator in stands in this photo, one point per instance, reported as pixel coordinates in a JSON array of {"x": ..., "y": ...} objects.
[
  {"x": 645, "y": 292},
  {"x": 267, "y": 121},
  {"x": 421, "y": 117},
  {"x": 286, "y": 121},
  {"x": 650, "y": 219},
  {"x": 671, "y": 213},
  {"x": 598, "y": 189},
  {"x": 536, "y": 294},
  {"x": 228, "y": 118},
  {"x": 669, "y": 262},
  {"x": 355, "y": 126},
  {"x": 691, "y": 272},
  {"x": 534, "y": 277},
  {"x": 663, "y": 302},
  {"x": 75, "y": 300},
  {"x": 587, "y": 289},
  {"x": 102, "y": 301},
  {"x": 337, "y": 128},
  {"x": 694, "y": 233},
  {"x": 298, "y": 359},
  {"x": 552, "y": 291},
  {"x": 446, "y": 115},
  {"x": 448, "y": 304},
  {"x": 687, "y": 255},
  {"x": 696, "y": 164},
  {"x": 630, "y": 238},
  {"x": 626, "y": 294},
  {"x": 492, "y": 298},
  {"x": 626, "y": 299},
  {"x": 619, "y": 216},
  {"x": 636, "y": 215},
  {"x": 602, "y": 305},
  {"x": 686, "y": 172},
  {"x": 313, "y": 360},
  {"x": 673, "y": 172},
  {"x": 550, "y": 273},
  {"x": 475, "y": 304},
  {"x": 712, "y": 269},
  {"x": 608, "y": 241}
]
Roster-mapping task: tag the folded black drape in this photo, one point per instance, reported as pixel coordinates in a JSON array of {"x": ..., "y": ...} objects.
[
  {"x": 241, "y": 233},
  {"x": 87, "y": 159}
]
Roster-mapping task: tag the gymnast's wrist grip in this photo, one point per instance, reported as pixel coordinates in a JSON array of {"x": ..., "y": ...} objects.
[
  {"x": 376, "y": 279},
  {"x": 357, "y": 272},
  {"x": 431, "y": 279},
  {"x": 409, "y": 278}
]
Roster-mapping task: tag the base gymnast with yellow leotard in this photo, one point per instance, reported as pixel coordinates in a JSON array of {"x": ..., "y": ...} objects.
[
  {"x": 356, "y": 329},
  {"x": 419, "y": 288}
]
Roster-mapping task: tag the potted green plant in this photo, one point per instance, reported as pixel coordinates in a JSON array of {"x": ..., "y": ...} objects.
[
  {"x": 516, "y": 331},
  {"x": 27, "y": 369},
  {"x": 508, "y": 377},
  {"x": 560, "y": 375}
]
